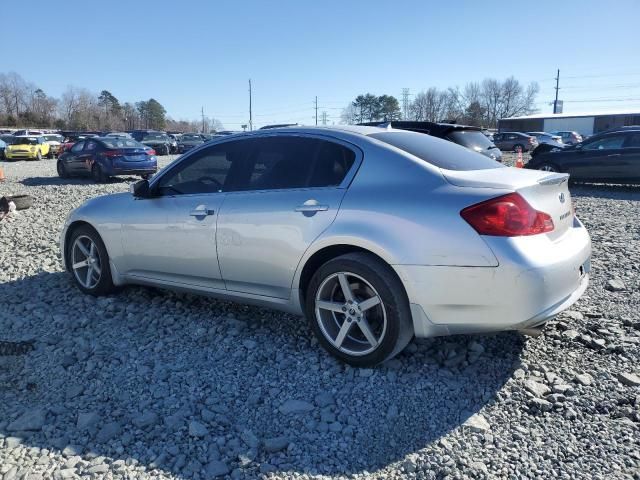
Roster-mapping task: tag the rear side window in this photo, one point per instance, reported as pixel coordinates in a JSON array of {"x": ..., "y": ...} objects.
[
  {"x": 439, "y": 153},
  {"x": 283, "y": 162}
]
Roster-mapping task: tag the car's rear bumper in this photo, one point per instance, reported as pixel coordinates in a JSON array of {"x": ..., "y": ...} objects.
[{"x": 535, "y": 280}]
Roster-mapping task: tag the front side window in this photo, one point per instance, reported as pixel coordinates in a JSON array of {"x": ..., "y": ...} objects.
[
  {"x": 90, "y": 146},
  {"x": 203, "y": 172},
  {"x": 606, "y": 143}
]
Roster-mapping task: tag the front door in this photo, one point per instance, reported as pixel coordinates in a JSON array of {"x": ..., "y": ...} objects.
[
  {"x": 288, "y": 192},
  {"x": 171, "y": 237},
  {"x": 599, "y": 160}
]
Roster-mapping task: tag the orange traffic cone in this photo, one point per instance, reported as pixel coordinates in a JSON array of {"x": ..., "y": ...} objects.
[
  {"x": 519, "y": 162},
  {"x": 2, "y": 177}
]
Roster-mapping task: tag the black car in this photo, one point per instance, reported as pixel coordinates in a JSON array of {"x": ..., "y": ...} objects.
[
  {"x": 611, "y": 157},
  {"x": 189, "y": 141},
  {"x": 159, "y": 141},
  {"x": 465, "y": 135}
]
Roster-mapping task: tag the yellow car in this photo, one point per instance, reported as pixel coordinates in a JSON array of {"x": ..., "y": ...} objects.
[{"x": 28, "y": 147}]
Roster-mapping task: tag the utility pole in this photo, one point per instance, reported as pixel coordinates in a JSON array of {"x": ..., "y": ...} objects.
[
  {"x": 250, "y": 111},
  {"x": 555, "y": 102},
  {"x": 316, "y": 110},
  {"x": 405, "y": 103},
  {"x": 324, "y": 118},
  {"x": 202, "y": 113}
]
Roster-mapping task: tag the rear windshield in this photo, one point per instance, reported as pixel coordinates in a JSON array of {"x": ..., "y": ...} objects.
[
  {"x": 121, "y": 142},
  {"x": 155, "y": 136},
  {"x": 472, "y": 139},
  {"x": 191, "y": 137},
  {"x": 439, "y": 153}
]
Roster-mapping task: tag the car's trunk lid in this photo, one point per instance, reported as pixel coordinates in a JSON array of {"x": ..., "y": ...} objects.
[{"x": 544, "y": 191}]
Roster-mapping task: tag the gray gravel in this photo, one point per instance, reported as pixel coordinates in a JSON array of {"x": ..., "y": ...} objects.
[{"x": 148, "y": 383}]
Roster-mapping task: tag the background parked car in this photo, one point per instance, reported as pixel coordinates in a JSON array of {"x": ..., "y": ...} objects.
[
  {"x": 55, "y": 142},
  {"x": 20, "y": 133},
  {"x": 465, "y": 135},
  {"x": 159, "y": 141},
  {"x": 568, "y": 137},
  {"x": 514, "y": 141},
  {"x": 104, "y": 157},
  {"x": 189, "y": 141},
  {"x": 611, "y": 157},
  {"x": 27, "y": 147},
  {"x": 3, "y": 145},
  {"x": 118, "y": 135},
  {"x": 547, "y": 138}
]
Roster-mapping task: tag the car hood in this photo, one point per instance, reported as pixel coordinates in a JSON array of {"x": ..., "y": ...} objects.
[{"x": 53, "y": 142}]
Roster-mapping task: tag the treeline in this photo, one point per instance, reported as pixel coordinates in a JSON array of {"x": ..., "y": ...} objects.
[
  {"x": 23, "y": 104},
  {"x": 478, "y": 103}
]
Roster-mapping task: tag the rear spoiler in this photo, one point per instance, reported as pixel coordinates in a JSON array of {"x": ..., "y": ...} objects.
[{"x": 555, "y": 179}]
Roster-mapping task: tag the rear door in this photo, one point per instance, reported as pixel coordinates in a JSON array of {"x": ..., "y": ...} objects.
[{"x": 287, "y": 193}]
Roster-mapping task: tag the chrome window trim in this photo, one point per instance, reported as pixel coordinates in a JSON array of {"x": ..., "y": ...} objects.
[{"x": 346, "y": 181}]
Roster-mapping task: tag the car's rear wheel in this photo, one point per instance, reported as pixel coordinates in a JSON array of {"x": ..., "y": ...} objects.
[
  {"x": 358, "y": 309},
  {"x": 98, "y": 175},
  {"x": 62, "y": 171},
  {"x": 547, "y": 167},
  {"x": 88, "y": 262}
]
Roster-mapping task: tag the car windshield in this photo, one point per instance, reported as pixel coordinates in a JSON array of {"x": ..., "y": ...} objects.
[
  {"x": 24, "y": 141},
  {"x": 439, "y": 153},
  {"x": 155, "y": 136},
  {"x": 471, "y": 139},
  {"x": 121, "y": 142},
  {"x": 53, "y": 138},
  {"x": 191, "y": 138}
]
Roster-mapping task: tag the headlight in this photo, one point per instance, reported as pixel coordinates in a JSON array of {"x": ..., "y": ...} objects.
[{"x": 33, "y": 149}]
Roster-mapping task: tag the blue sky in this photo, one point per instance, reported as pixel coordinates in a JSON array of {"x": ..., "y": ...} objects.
[{"x": 190, "y": 54}]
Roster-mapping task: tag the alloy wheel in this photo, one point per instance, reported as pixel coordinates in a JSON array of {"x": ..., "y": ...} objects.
[
  {"x": 350, "y": 313},
  {"x": 547, "y": 168},
  {"x": 85, "y": 262}
]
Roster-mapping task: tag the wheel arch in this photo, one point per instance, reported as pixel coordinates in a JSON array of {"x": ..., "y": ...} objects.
[
  {"x": 318, "y": 257},
  {"x": 67, "y": 237}
]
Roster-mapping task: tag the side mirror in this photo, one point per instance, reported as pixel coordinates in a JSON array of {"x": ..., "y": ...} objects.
[{"x": 140, "y": 189}]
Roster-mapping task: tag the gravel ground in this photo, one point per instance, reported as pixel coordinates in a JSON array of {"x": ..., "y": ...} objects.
[{"x": 148, "y": 383}]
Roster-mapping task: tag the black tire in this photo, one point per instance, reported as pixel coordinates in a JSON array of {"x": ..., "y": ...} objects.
[
  {"x": 50, "y": 154},
  {"x": 394, "y": 303},
  {"x": 146, "y": 176},
  {"x": 98, "y": 175},
  {"x": 62, "y": 170},
  {"x": 104, "y": 285},
  {"x": 518, "y": 146},
  {"x": 39, "y": 156},
  {"x": 23, "y": 202}
]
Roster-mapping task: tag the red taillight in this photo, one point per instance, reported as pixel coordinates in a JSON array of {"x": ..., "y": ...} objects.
[
  {"x": 113, "y": 153},
  {"x": 507, "y": 216},
  {"x": 151, "y": 152}
]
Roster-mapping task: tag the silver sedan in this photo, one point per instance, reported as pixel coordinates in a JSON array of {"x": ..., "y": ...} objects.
[{"x": 375, "y": 235}]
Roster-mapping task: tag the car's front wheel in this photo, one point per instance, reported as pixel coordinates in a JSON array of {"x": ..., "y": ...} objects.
[
  {"x": 358, "y": 309},
  {"x": 62, "y": 171},
  {"x": 88, "y": 261},
  {"x": 38, "y": 155}
]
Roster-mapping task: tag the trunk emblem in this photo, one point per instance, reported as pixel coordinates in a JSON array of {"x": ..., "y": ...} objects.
[{"x": 561, "y": 197}]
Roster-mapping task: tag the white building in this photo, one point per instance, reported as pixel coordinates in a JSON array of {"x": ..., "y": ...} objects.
[{"x": 583, "y": 123}]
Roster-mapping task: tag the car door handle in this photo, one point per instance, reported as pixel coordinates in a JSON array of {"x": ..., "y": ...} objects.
[
  {"x": 312, "y": 208},
  {"x": 202, "y": 212}
]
